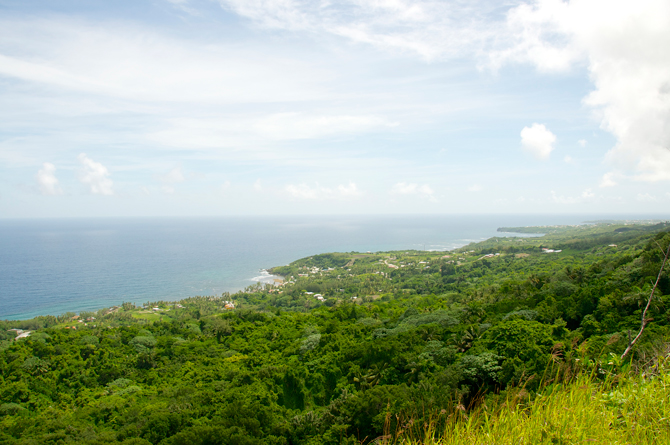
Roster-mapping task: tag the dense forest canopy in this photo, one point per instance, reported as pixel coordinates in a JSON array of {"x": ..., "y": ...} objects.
[{"x": 340, "y": 345}]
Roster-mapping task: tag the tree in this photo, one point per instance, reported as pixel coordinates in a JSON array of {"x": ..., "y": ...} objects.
[
  {"x": 645, "y": 319},
  {"x": 220, "y": 328}
]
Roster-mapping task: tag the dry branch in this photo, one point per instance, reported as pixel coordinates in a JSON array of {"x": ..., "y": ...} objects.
[{"x": 646, "y": 320}]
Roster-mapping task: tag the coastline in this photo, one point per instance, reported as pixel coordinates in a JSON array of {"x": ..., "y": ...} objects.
[
  {"x": 89, "y": 265},
  {"x": 266, "y": 277}
]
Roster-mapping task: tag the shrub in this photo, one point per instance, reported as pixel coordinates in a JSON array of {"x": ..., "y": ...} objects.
[{"x": 89, "y": 340}]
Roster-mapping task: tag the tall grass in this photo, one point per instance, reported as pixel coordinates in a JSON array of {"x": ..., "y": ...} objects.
[{"x": 620, "y": 409}]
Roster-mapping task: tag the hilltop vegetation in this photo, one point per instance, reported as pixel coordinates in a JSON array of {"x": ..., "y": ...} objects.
[
  {"x": 345, "y": 349},
  {"x": 622, "y": 408}
]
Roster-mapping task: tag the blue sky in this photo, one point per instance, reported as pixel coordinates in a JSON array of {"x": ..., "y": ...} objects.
[{"x": 239, "y": 107}]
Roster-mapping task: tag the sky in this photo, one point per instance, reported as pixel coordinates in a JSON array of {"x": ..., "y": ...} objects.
[{"x": 141, "y": 108}]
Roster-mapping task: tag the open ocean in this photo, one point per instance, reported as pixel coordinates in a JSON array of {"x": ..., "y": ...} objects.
[{"x": 51, "y": 266}]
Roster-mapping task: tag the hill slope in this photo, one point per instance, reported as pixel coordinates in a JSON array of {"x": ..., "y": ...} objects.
[{"x": 394, "y": 335}]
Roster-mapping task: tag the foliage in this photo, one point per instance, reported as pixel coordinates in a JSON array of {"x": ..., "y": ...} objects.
[
  {"x": 395, "y": 335},
  {"x": 627, "y": 409}
]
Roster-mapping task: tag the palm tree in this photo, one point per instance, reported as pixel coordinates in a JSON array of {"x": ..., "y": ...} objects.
[
  {"x": 372, "y": 377},
  {"x": 466, "y": 340}
]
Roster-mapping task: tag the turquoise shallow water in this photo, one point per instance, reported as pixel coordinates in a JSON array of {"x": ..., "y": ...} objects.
[{"x": 60, "y": 265}]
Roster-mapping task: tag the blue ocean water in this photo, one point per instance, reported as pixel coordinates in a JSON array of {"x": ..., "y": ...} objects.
[{"x": 57, "y": 265}]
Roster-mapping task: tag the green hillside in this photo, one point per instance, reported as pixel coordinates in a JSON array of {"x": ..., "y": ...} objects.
[{"x": 517, "y": 338}]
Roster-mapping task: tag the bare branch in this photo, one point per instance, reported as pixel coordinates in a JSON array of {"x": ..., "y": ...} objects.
[{"x": 645, "y": 320}]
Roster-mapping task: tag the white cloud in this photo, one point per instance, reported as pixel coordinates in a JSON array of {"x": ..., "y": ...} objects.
[
  {"x": 586, "y": 195},
  {"x": 256, "y": 132},
  {"x": 582, "y": 142},
  {"x": 125, "y": 61},
  {"x": 429, "y": 28},
  {"x": 645, "y": 197},
  {"x": 258, "y": 186},
  {"x": 608, "y": 180},
  {"x": 304, "y": 191},
  {"x": 174, "y": 176},
  {"x": 537, "y": 140},
  {"x": 568, "y": 159},
  {"x": 286, "y": 126},
  {"x": 224, "y": 187},
  {"x": 475, "y": 188},
  {"x": 348, "y": 190},
  {"x": 95, "y": 175},
  {"x": 47, "y": 180},
  {"x": 535, "y": 31},
  {"x": 183, "y": 5},
  {"x": 187, "y": 91},
  {"x": 624, "y": 44},
  {"x": 404, "y": 188}
]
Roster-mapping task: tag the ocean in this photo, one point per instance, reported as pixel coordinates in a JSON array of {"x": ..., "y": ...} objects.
[{"x": 51, "y": 266}]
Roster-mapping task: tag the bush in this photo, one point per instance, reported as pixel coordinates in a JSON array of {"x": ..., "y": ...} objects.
[
  {"x": 481, "y": 369},
  {"x": 524, "y": 344},
  {"x": 10, "y": 409},
  {"x": 120, "y": 383},
  {"x": 310, "y": 343},
  {"x": 89, "y": 340},
  {"x": 412, "y": 320},
  {"x": 143, "y": 343}
]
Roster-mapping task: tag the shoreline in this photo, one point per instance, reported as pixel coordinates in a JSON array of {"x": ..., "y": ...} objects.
[{"x": 61, "y": 303}]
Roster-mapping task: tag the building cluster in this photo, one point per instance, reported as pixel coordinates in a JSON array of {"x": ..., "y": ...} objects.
[
  {"x": 490, "y": 255},
  {"x": 317, "y": 296},
  {"x": 20, "y": 333}
]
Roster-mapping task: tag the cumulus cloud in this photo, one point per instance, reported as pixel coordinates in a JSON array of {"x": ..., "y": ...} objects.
[
  {"x": 174, "y": 176},
  {"x": 620, "y": 42},
  {"x": 348, "y": 190},
  {"x": 624, "y": 44},
  {"x": 582, "y": 142},
  {"x": 47, "y": 180},
  {"x": 317, "y": 192},
  {"x": 568, "y": 159},
  {"x": 536, "y": 33},
  {"x": 587, "y": 195},
  {"x": 404, "y": 188},
  {"x": 95, "y": 175},
  {"x": 302, "y": 191},
  {"x": 475, "y": 188},
  {"x": 608, "y": 180},
  {"x": 537, "y": 140}
]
